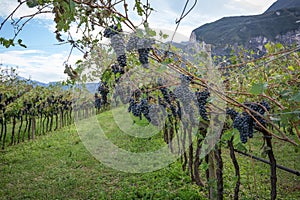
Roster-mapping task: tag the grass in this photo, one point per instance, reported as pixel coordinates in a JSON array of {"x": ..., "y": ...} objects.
[{"x": 58, "y": 166}]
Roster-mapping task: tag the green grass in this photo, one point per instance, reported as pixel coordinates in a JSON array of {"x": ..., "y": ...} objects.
[{"x": 58, "y": 166}]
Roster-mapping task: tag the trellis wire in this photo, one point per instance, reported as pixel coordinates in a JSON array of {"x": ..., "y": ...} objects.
[{"x": 292, "y": 171}]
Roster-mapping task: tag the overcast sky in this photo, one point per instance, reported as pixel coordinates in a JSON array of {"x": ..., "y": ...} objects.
[{"x": 43, "y": 59}]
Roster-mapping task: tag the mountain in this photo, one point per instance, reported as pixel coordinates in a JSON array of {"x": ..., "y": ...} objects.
[
  {"x": 280, "y": 23},
  {"x": 32, "y": 82},
  {"x": 283, "y": 4}
]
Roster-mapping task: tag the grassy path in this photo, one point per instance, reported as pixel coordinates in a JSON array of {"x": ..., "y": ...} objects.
[{"x": 58, "y": 166}]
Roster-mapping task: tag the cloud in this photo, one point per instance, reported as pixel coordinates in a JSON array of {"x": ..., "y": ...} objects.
[
  {"x": 8, "y": 6},
  {"x": 37, "y": 64},
  {"x": 249, "y": 6}
]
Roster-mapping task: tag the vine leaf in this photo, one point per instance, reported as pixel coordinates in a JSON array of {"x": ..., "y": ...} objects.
[
  {"x": 258, "y": 88},
  {"x": 296, "y": 97},
  {"x": 32, "y": 3}
]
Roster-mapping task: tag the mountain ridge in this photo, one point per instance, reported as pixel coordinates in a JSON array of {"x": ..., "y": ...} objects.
[
  {"x": 282, "y": 4},
  {"x": 253, "y": 31}
]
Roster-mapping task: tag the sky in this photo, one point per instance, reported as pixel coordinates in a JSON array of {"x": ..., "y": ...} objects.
[{"x": 43, "y": 58}]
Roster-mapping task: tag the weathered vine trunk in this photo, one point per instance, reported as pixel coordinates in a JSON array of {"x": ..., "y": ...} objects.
[
  {"x": 26, "y": 127},
  {"x": 211, "y": 174},
  {"x": 184, "y": 151},
  {"x": 47, "y": 123},
  {"x": 197, "y": 163},
  {"x": 191, "y": 154},
  {"x": 219, "y": 173},
  {"x": 61, "y": 119},
  {"x": 56, "y": 122},
  {"x": 236, "y": 168},
  {"x": 71, "y": 116},
  {"x": 20, "y": 128},
  {"x": 29, "y": 128},
  {"x": 14, "y": 122},
  {"x": 51, "y": 122},
  {"x": 1, "y": 133},
  {"x": 4, "y": 133},
  {"x": 272, "y": 166},
  {"x": 40, "y": 123},
  {"x": 44, "y": 121},
  {"x": 33, "y": 129}
]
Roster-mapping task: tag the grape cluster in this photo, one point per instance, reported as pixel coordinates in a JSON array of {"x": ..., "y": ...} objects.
[
  {"x": 161, "y": 102},
  {"x": 244, "y": 122},
  {"x": 97, "y": 101},
  {"x": 132, "y": 42},
  {"x": 111, "y": 31},
  {"x": 169, "y": 100},
  {"x": 117, "y": 43},
  {"x": 144, "y": 46},
  {"x": 154, "y": 115},
  {"x": 135, "y": 108},
  {"x": 145, "y": 108},
  {"x": 123, "y": 92},
  {"x": 142, "y": 107},
  {"x": 103, "y": 90},
  {"x": 261, "y": 108},
  {"x": 165, "y": 93},
  {"x": 232, "y": 113},
  {"x": 139, "y": 109},
  {"x": 115, "y": 68},
  {"x": 186, "y": 96},
  {"x": 144, "y": 56},
  {"x": 202, "y": 101},
  {"x": 122, "y": 60}
]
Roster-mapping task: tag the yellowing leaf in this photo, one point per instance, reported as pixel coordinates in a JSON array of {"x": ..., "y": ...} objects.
[{"x": 291, "y": 68}]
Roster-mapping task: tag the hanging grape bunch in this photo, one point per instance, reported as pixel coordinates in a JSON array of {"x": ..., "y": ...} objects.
[
  {"x": 122, "y": 93},
  {"x": 202, "y": 101},
  {"x": 103, "y": 90},
  {"x": 140, "y": 106},
  {"x": 186, "y": 96},
  {"x": 117, "y": 42},
  {"x": 244, "y": 123},
  {"x": 143, "y": 46},
  {"x": 132, "y": 42},
  {"x": 115, "y": 68},
  {"x": 97, "y": 102},
  {"x": 117, "y": 71}
]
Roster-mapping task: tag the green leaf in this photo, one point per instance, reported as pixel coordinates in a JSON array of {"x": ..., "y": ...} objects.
[
  {"x": 296, "y": 98},
  {"x": 139, "y": 33},
  {"x": 279, "y": 46},
  {"x": 268, "y": 46},
  {"x": 227, "y": 135},
  {"x": 32, "y": 3},
  {"x": 258, "y": 88},
  {"x": 151, "y": 32},
  {"x": 138, "y": 7}
]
